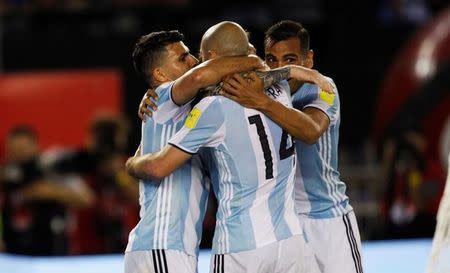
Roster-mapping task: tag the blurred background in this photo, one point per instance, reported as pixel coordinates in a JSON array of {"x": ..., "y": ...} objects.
[{"x": 69, "y": 99}]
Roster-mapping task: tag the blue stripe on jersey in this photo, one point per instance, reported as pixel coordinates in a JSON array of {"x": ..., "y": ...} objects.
[
  {"x": 225, "y": 177},
  {"x": 164, "y": 93},
  {"x": 280, "y": 225},
  {"x": 179, "y": 200},
  {"x": 254, "y": 210},
  {"x": 319, "y": 191}
]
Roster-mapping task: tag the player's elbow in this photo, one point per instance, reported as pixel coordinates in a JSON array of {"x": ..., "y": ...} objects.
[
  {"x": 145, "y": 169},
  {"x": 199, "y": 78},
  {"x": 311, "y": 136},
  {"x": 157, "y": 173}
]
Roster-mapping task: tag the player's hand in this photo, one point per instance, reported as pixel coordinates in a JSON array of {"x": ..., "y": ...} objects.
[
  {"x": 261, "y": 63},
  {"x": 129, "y": 164},
  {"x": 147, "y": 102},
  {"x": 324, "y": 83},
  {"x": 247, "y": 91}
]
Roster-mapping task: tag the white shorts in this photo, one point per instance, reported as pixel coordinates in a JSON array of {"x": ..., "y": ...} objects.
[
  {"x": 160, "y": 261},
  {"x": 285, "y": 256},
  {"x": 334, "y": 243}
]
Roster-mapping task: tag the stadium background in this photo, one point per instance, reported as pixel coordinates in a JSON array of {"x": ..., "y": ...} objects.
[{"x": 62, "y": 61}]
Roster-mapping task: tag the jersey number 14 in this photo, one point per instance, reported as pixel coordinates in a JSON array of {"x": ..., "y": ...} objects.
[{"x": 284, "y": 151}]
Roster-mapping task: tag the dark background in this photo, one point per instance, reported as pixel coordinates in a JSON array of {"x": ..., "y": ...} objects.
[
  {"x": 355, "y": 43},
  {"x": 352, "y": 44}
]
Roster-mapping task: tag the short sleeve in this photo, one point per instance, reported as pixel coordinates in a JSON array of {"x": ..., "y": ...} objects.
[
  {"x": 167, "y": 109},
  {"x": 310, "y": 95},
  {"x": 204, "y": 127}
]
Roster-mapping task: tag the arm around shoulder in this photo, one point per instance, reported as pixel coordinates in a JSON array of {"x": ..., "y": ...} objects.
[
  {"x": 156, "y": 166},
  {"x": 209, "y": 73}
]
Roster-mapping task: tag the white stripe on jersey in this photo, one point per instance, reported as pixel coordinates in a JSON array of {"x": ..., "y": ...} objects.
[
  {"x": 195, "y": 195},
  {"x": 157, "y": 213},
  {"x": 264, "y": 188},
  {"x": 164, "y": 199},
  {"x": 330, "y": 174},
  {"x": 158, "y": 197},
  {"x": 141, "y": 198},
  {"x": 167, "y": 214},
  {"x": 172, "y": 131},
  {"x": 141, "y": 189},
  {"x": 289, "y": 195},
  {"x": 226, "y": 200},
  {"x": 323, "y": 146},
  {"x": 339, "y": 194},
  {"x": 334, "y": 192},
  {"x": 162, "y": 212}
]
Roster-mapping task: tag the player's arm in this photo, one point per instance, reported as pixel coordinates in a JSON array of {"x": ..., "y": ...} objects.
[
  {"x": 149, "y": 100},
  {"x": 297, "y": 72},
  {"x": 206, "y": 74},
  {"x": 202, "y": 128},
  {"x": 307, "y": 125},
  {"x": 155, "y": 166},
  {"x": 209, "y": 73}
]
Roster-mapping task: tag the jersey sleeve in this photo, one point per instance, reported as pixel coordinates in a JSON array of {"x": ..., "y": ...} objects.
[
  {"x": 312, "y": 96},
  {"x": 204, "y": 127},
  {"x": 167, "y": 108}
]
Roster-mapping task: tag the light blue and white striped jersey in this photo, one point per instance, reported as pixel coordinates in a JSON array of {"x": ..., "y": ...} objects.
[
  {"x": 172, "y": 210},
  {"x": 319, "y": 192},
  {"x": 252, "y": 167}
]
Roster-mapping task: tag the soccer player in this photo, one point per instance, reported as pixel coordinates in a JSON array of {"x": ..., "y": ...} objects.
[
  {"x": 250, "y": 160},
  {"x": 328, "y": 220},
  {"x": 167, "y": 237}
]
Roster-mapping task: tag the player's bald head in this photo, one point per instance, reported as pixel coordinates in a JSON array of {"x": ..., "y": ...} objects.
[{"x": 224, "y": 39}]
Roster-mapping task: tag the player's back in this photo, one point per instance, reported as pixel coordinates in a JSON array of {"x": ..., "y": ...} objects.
[
  {"x": 251, "y": 162},
  {"x": 172, "y": 210}
]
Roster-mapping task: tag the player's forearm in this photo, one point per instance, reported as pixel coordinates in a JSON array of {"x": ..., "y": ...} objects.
[
  {"x": 301, "y": 73},
  {"x": 142, "y": 167},
  {"x": 210, "y": 73},
  {"x": 274, "y": 75},
  {"x": 298, "y": 124},
  {"x": 289, "y": 71},
  {"x": 220, "y": 67}
]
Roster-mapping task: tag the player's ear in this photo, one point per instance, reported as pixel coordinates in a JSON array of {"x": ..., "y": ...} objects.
[
  {"x": 211, "y": 54},
  {"x": 159, "y": 75},
  {"x": 309, "y": 62}
]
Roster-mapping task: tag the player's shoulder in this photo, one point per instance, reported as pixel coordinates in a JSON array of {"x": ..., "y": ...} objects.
[
  {"x": 333, "y": 83},
  {"x": 314, "y": 88},
  {"x": 208, "y": 109},
  {"x": 213, "y": 105},
  {"x": 164, "y": 91},
  {"x": 207, "y": 102}
]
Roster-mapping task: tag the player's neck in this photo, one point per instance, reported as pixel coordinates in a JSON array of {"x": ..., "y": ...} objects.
[{"x": 295, "y": 85}]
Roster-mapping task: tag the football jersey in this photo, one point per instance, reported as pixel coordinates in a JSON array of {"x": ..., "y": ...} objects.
[
  {"x": 172, "y": 210},
  {"x": 251, "y": 161},
  {"x": 319, "y": 192}
]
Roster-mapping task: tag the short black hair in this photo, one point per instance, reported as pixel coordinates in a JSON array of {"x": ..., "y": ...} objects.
[
  {"x": 287, "y": 29},
  {"x": 148, "y": 49},
  {"x": 22, "y": 130}
]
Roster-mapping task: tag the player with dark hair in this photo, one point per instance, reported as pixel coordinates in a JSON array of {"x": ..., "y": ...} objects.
[
  {"x": 251, "y": 163},
  {"x": 321, "y": 202},
  {"x": 167, "y": 237}
]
